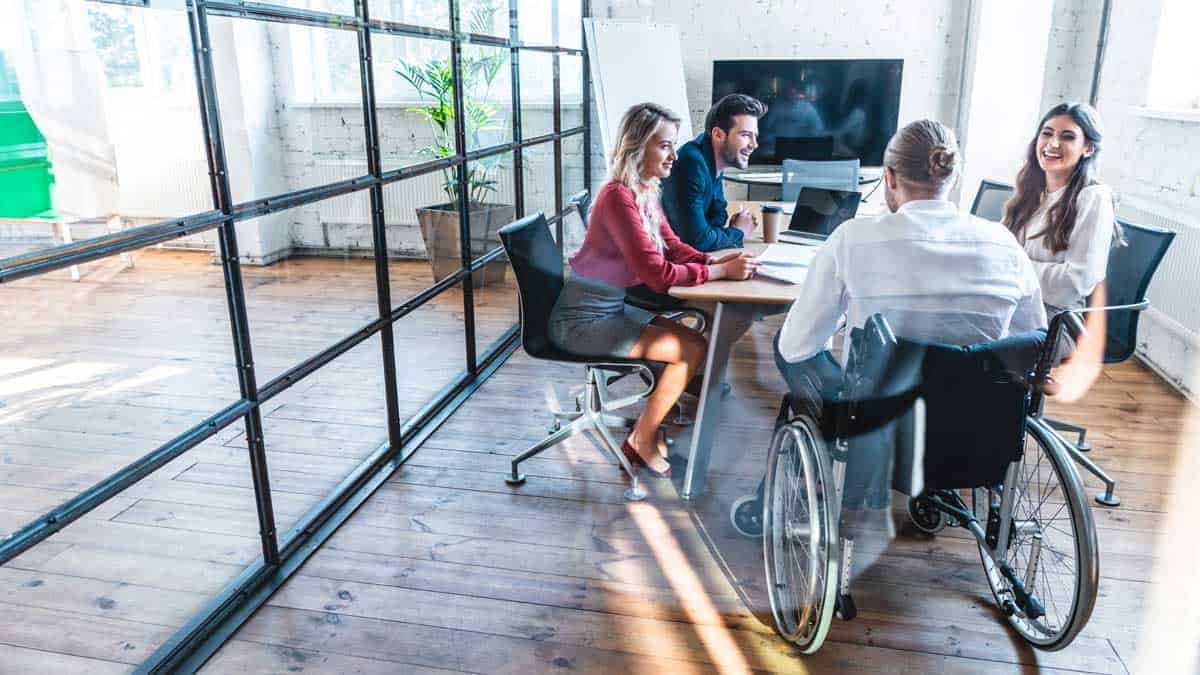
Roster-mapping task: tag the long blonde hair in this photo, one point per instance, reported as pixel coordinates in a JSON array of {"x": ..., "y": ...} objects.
[{"x": 638, "y": 126}]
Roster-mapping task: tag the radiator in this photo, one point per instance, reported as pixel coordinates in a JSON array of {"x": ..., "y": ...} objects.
[
  {"x": 1176, "y": 285},
  {"x": 1169, "y": 333},
  {"x": 164, "y": 189},
  {"x": 400, "y": 200}
]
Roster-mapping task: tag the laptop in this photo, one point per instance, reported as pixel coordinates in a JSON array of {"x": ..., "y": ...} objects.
[{"x": 818, "y": 212}]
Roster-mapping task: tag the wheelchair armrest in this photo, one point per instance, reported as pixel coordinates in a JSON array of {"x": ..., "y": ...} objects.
[
  {"x": 1133, "y": 307},
  {"x": 879, "y": 331}
]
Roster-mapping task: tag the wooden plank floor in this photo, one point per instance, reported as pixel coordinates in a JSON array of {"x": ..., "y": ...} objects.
[{"x": 446, "y": 568}]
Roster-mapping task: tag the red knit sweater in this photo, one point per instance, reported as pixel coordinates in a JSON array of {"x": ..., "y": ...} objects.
[{"x": 617, "y": 250}]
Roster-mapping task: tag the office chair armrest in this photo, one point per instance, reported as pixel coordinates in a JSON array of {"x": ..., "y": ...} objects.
[{"x": 698, "y": 316}]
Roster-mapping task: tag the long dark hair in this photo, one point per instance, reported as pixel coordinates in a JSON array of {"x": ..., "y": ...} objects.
[{"x": 1031, "y": 181}]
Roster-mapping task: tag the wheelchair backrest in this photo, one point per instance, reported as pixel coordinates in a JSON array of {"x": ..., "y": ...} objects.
[{"x": 976, "y": 399}]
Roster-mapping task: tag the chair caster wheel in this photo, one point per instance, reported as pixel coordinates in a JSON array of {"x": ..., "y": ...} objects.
[
  {"x": 846, "y": 610},
  {"x": 925, "y": 516},
  {"x": 746, "y": 516},
  {"x": 518, "y": 479},
  {"x": 1106, "y": 499}
]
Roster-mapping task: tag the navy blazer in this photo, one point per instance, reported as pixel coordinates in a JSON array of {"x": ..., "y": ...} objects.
[{"x": 694, "y": 200}]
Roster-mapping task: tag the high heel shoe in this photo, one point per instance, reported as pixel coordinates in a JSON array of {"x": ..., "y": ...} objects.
[{"x": 636, "y": 459}]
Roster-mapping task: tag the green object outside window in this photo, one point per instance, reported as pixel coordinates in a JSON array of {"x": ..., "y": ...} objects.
[{"x": 26, "y": 176}]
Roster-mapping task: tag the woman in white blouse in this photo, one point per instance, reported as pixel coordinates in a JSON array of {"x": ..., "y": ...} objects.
[
  {"x": 1063, "y": 216},
  {"x": 1060, "y": 213}
]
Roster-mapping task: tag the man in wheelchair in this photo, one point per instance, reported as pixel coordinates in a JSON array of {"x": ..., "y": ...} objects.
[{"x": 947, "y": 413}]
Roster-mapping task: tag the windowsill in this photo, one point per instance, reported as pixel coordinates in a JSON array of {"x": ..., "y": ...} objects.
[
  {"x": 1176, "y": 114},
  {"x": 317, "y": 105}
]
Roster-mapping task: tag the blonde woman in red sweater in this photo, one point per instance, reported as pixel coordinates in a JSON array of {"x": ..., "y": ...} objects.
[{"x": 629, "y": 242}]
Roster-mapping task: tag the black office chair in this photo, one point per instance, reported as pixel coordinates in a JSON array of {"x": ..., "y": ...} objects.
[
  {"x": 538, "y": 267},
  {"x": 582, "y": 203},
  {"x": 989, "y": 201},
  {"x": 1131, "y": 266}
]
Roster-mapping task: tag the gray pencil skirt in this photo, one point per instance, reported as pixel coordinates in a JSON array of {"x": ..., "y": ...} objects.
[{"x": 592, "y": 319}]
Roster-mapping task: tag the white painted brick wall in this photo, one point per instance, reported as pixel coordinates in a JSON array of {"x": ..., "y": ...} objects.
[
  {"x": 927, "y": 34},
  {"x": 1071, "y": 58}
]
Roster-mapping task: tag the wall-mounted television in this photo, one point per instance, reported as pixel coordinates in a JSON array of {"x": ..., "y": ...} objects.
[{"x": 818, "y": 108}]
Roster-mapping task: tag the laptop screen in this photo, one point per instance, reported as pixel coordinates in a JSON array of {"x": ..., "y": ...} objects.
[{"x": 820, "y": 210}]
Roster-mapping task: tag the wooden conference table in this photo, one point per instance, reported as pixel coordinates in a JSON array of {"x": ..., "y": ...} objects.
[{"x": 736, "y": 304}]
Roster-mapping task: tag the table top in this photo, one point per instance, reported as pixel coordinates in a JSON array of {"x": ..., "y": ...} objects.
[
  {"x": 773, "y": 175},
  {"x": 758, "y": 290}
]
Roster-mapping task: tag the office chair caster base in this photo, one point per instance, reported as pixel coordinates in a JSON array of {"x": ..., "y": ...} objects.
[
  {"x": 517, "y": 479},
  {"x": 635, "y": 494},
  {"x": 1107, "y": 499},
  {"x": 745, "y": 514}
]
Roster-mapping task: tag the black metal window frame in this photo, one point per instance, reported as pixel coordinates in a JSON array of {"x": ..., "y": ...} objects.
[{"x": 195, "y": 642}]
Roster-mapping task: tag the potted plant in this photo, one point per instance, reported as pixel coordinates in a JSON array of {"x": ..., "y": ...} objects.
[{"x": 434, "y": 83}]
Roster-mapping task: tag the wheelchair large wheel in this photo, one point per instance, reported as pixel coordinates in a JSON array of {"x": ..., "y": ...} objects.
[
  {"x": 800, "y": 535},
  {"x": 1052, "y": 549}
]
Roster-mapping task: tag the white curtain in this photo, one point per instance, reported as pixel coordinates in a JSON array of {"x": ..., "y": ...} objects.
[{"x": 62, "y": 87}]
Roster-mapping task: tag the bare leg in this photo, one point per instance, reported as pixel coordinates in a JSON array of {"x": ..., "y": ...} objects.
[{"x": 682, "y": 349}]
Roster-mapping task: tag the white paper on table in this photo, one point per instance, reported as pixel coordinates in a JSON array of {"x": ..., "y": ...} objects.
[{"x": 786, "y": 263}]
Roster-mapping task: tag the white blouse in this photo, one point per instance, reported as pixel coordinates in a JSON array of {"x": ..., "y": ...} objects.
[
  {"x": 935, "y": 273},
  {"x": 1069, "y": 276}
]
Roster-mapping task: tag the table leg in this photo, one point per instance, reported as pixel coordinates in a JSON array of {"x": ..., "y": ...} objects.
[{"x": 724, "y": 332}]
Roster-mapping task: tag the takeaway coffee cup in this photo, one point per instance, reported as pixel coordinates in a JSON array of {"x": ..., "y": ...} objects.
[{"x": 772, "y": 219}]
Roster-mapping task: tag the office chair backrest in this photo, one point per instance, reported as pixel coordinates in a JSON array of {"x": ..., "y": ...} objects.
[
  {"x": 989, "y": 201},
  {"x": 975, "y": 402},
  {"x": 808, "y": 148},
  {"x": 538, "y": 267},
  {"x": 1130, "y": 269},
  {"x": 840, "y": 174},
  {"x": 582, "y": 201}
]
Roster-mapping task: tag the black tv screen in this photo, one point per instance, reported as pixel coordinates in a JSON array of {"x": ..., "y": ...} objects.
[{"x": 820, "y": 108}]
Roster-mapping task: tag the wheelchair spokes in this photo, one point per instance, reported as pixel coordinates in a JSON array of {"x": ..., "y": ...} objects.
[
  {"x": 800, "y": 535},
  {"x": 1040, "y": 558}
]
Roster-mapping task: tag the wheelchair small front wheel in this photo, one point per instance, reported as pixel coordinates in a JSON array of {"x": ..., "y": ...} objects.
[
  {"x": 800, "y": 534},
  {"x": 925, "y": 516},
  {"x": 746, "y": 516}
]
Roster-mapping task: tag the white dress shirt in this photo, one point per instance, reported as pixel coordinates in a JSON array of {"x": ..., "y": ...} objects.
[
  {"x": 1071, "y": 275},
  {"x": 936, "y": 274}
]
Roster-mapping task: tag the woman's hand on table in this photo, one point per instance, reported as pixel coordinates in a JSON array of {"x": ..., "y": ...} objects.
[
  {"x": 724, "y": 256},
  {"x": 735, "y": 265}
]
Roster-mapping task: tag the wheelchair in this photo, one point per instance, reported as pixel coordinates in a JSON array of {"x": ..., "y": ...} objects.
[{"x": 1000, "y": 473}]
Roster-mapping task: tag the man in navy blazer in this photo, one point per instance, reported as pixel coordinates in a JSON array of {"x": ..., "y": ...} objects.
[{"x": 692, "y": 196}]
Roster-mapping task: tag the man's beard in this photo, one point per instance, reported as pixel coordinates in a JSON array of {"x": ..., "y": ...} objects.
[{"x": 732, "y": 157}]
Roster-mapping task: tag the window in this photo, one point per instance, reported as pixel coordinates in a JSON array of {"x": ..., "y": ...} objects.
[
  {"x": 1174, "y": 82},
  {"x": 143, "y": 49}
]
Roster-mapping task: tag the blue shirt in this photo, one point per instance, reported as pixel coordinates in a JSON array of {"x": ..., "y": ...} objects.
[{"x": 694, "y": 199}]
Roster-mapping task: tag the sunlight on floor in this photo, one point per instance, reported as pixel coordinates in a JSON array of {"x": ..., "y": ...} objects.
[{"x": 706, "y": 620}]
